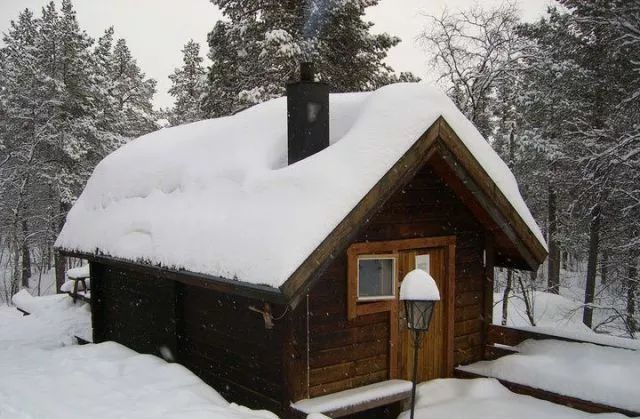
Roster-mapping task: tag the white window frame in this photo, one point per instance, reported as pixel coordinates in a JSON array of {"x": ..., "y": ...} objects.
[{"x": 394, "y": 278}]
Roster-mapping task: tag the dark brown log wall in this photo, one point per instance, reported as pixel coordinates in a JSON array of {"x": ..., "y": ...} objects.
[
  {"x": 346, "y": 354},
  {"x": 215, "y": 335},
  {"x": 227, "y": 345},
  {"x": 133, "y": 309}
]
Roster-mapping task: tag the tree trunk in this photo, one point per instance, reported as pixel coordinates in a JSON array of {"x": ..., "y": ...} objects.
[
  {"x": 26, "y": 257},
  {"x": 59, "y": 263},
  {"x": 505, "y": 297},
  {"x": 553, "y": 273},
  {"x": 528, "y": 301},
  {"x": 632, "y": 279},
  {"x": 604, "y": 267},
  {"x": 592, "y": 264}
]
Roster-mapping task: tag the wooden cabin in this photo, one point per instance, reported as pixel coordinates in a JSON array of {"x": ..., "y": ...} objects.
[{"x": 444, "y": 202}]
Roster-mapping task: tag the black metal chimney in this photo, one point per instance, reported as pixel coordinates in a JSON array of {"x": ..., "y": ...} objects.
[{"x": 307, "y": 115}]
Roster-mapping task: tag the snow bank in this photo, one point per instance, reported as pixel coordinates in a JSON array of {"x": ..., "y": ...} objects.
[
  {"x": 53, "y": 322},
  {"x": 550, "y": 310},
  {"x": 105, "y": 381},
  {"x": 555, "y": 315},
  {"x": 217, "y": 197},
  {"x": 486, "y": 399},
  {"x": 581, "y": 370}
]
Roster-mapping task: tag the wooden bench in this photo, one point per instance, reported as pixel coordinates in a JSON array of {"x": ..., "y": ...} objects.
[{"x": 356, "y": 400}]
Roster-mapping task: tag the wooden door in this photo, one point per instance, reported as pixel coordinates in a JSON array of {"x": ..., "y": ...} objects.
[{"x": 432, "y": 358}]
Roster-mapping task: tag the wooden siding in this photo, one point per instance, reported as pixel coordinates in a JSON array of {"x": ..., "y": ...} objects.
[
  {"x": 213, "y": 334},
  {"x": 227, "y": 345},
  {"x": 133, "y": 309},
  {"x": 345, "y": 354}
]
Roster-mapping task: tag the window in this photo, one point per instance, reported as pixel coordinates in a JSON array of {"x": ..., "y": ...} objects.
[
  {"x": 376, "y": 277},
  {"x": 422, "y": 262}
]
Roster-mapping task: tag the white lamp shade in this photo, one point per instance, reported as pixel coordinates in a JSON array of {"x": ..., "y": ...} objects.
[{"x": 418, "y": 285}]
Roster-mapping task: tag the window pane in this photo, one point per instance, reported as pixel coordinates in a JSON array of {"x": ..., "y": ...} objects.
[
  {"x": 375, "y": 277},
  {"x": 422, "y": 262}
]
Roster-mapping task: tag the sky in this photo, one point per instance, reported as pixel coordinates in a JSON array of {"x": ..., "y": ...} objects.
[{"x": 156, "y": 30}]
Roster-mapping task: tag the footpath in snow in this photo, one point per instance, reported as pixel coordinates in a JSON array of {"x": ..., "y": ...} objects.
[
  {"x": 486, "y": 398},
  {"x": 582, "y": 370}
]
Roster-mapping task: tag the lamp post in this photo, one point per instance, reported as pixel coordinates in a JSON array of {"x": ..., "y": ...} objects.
[{"x": 419, "y": 293}]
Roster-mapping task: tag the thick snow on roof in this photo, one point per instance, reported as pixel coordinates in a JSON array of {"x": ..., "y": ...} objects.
[{"x": 217, "y": 197}]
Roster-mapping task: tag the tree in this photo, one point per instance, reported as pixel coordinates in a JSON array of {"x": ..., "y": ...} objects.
[
  {"x": 260, "y": 44},
  {"x": 478, "y": 54},
  {"x": 64, "y": 105},
  {"x": 188, "y": 86}
]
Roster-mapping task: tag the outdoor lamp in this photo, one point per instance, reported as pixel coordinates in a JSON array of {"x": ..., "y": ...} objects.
[{"x": 419, "y": 293}]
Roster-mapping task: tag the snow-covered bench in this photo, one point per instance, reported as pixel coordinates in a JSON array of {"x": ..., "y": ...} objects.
[
  {"x": 78, "y": 275},
  {"x": 357, "y": 399}
]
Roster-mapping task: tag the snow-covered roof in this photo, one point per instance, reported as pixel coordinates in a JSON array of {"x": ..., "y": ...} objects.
[{"x": 217, "y": 197}]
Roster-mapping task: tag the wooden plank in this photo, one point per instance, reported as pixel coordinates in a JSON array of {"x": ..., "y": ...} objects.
[
  {"x": 362, "y": 309},
  {"x": 512, "y": 337},
  {"x": 492, "y": 352},
  {"x": 488, "y": 286},
  {"x": 347, "y": 353},
  {"x": 351, "y": 382}
]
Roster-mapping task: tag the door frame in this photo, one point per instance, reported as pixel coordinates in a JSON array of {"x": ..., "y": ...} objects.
[{"x": 448, "y": 244}]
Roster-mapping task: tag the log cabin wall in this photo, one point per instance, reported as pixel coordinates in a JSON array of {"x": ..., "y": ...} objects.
[
  {"x": 214, "y": 335},
  {"x": 133, "y": 309},
  {"x": 228, "y": 346},
  {"x": 346, "y": 354}
]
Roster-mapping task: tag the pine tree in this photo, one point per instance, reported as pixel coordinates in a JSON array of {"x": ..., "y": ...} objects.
[
  {"x": 132, "y": 93},
  {"x": 258, "y": 48},
  {"x": 64, "y": 105},
  {"x": 188, "y": 86}
]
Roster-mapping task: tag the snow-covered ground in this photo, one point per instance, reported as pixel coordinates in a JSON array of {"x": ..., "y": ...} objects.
[
  {"x": 44, "y": 376},
  {"x": 54, "y": 321},
  {"x": 486, "y": 399},
  {"x": 105, "y": 381},
  {"x": 585, "y": 371},
  {"x": 555, "y": 315}
]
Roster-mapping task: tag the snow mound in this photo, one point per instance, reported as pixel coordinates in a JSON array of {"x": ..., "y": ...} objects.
[
  {"x": 486, "y": 399},
  {"x": 54, "y": 321},
  {"x": 106, "y": 381},
  {"x": 549, "y": 310},
  {"x": 217, "y": 197},
  {"x": 419, "y": 285},
  {"x": 555, "y": 315},
  {"x": 582, "y": 370}
]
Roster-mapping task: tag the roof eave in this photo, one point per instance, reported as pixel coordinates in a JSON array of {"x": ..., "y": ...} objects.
[{"x": 216, "y": 283}]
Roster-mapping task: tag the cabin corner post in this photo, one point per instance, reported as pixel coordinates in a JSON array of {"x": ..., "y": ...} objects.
[
  {"x": 488, "y": 283},
  {"x": 59, "y": 263},
  {"x": 294, "y": 358},
  {"x": 97, "y": 300}
]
